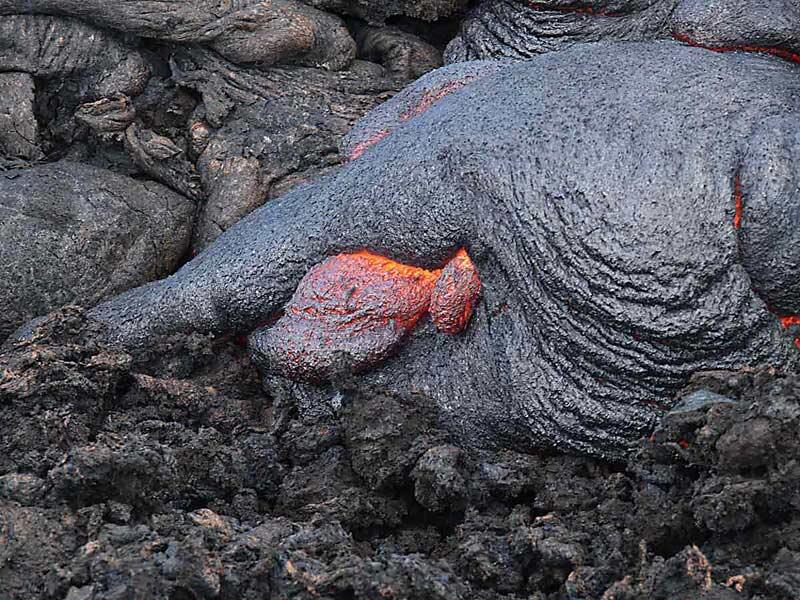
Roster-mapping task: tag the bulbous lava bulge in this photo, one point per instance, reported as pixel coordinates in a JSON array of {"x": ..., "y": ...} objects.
[{"x": 631, "y": 211}]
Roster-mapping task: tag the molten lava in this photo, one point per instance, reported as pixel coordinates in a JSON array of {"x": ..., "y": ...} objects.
[
  {"x": 361, "y": 147},
  {"x": 455, "y": 294},
  {"x": 432, "y": 96},
  {"x": 779, "y": 52},
  {"x": 352, "y": 310},
  {"x": 738, "y": 201},
  {"x": 428, "y": 99}
]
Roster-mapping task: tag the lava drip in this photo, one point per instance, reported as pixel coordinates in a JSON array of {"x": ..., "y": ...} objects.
[{"x": 352, "y": 310}]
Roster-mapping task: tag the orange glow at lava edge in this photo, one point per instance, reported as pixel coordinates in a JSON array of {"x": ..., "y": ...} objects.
[
  {"x": 353, "y": 282},
  {"x": 738, "y": 202},
  {"x": 787, "y": 322},
  {"x": 455, "y": 294},
  {"x": 779, "y": 52}
]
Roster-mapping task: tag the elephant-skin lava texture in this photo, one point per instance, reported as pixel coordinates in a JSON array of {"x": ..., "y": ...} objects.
[
  {"x": 596, "y": 192},
  {"x": 519, "y": 29}
]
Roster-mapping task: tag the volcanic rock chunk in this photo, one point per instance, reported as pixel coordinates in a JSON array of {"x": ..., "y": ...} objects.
[
  {"x": 262, "y": 132},
  {"x": 401, "y": 53},
  {"x": 18, "y": 127},
  {"x": 107, "y": 116},
  {"x": 597, "y": 194},
  {"x": 520, "y": 28},
  {"x": 59, "y": 48},
  {"x": 162, "y": 159},
  {"x": 262, "y": 32},
  {"x": 71, "y": 233}
]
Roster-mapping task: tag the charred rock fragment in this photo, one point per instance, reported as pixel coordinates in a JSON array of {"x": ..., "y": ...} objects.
[
  {"x": 63, "y": 50},
  {"x": 77, "y": 234},
  {"x": 18, "y": 127},
  {"x": 520, "y": 29},
  {"x": 259, "y": 133},
  {"x": 402, "y": 54},
  {"x": 608, "y": 274}
]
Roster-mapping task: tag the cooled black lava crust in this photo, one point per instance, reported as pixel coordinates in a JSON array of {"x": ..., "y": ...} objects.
[{"x": 595, "y": 190}]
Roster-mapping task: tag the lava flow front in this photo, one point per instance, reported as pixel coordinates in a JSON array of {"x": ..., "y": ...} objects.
[{"x": 352, "y": 310}]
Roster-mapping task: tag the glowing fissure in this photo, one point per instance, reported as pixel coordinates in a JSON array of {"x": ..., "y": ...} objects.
[
  {"x": 779, "y": 52},
  {"x": 738, "y": 202}
]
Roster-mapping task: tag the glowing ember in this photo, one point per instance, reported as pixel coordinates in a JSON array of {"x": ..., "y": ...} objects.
[
  {"x": 361, "y": 147},
  {"x": 738, "y": 202},
  {"x": 352, "y": 310},
  {"x": 779, "y": 52},
  {"x": 433, "y": 96},
  {"x": 455, "y": 294}
]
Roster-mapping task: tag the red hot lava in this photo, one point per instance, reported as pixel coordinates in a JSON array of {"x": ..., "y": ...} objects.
[{"x": 358, "y": 307}]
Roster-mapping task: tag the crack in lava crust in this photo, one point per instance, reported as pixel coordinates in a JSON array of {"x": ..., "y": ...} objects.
[
  {"x": 787, "y": 55},
  {"x": 352, "y": 310}
]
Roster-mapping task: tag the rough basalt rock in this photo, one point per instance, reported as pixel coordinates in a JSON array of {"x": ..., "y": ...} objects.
[
  {"x": 260, "y": 32},
  {"x": 377, "y": 11},
  {"x": 520, "y": 29},
  {"x": 77, "y": 234},
  {"x": 163, "y": 474},
  {"x": 596, "y": 193}
]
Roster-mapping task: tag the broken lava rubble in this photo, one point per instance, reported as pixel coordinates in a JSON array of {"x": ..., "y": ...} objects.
[{"x": 173, "y": 476}]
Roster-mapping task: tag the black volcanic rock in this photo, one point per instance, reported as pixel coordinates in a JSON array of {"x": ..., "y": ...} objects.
[
  {"x": 75, "y": 234},
  {"x": 520, "y": 29}
]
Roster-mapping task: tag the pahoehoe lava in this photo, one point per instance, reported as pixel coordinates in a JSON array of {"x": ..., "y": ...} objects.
[{"x": 595, "y": 191}]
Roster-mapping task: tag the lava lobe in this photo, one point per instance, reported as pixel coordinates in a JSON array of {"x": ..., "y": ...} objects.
[{"x": 352, "y": 310}]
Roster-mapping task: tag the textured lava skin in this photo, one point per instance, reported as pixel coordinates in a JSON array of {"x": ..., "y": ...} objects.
[
  {"x": 524, "y": 28},
  {"x": 594, "y": 190}
]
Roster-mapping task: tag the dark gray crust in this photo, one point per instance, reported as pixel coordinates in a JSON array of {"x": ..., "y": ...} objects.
[
  {"x": 521, "y": 28},
  {"x": 77, "y": 234},
  {"x": 260, "y": 32},
  {"x": 609, "y": 273}
]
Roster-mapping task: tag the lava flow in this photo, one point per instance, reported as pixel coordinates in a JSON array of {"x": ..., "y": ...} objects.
[
  {"x": 352, "y": 310},
  {"x": 779, "y": 52}
]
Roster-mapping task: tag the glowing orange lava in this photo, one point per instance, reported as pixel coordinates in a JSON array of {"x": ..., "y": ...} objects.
[
  {"x": 779, "y": 52},
  {"x": 430, "y": 97},
  {"x": 361, "y": 147},
  {"x": 455, "y": 294},
  {"x": 789, "y": 320},
  {"x": 352, "y": 310},
  {"x": 738, "y": 202}
]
